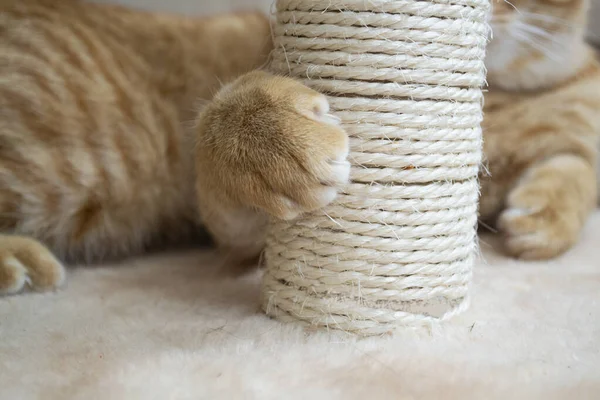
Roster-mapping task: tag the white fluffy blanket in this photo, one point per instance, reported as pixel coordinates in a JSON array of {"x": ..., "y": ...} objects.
[{"x": 172, "y": 327}]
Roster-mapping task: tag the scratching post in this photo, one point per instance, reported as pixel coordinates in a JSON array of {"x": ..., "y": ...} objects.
[{"x": 397, "y": 246}]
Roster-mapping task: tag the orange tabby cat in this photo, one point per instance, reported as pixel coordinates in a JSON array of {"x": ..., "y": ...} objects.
[
  {"x": 102, "y": 150},
  {"x": 541, "y": 126}
]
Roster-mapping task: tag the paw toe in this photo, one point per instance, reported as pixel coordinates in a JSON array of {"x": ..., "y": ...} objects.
[
  {"x": 287, "y": 209},
  {"x": 27, "y": 263},
  {"x": 529, "y": 246},
  {"x": 339, "y": 174},
  {"x": 310, "y": 200},
  {"x": 325, "y": 195},
  {"x": 13, "y": 275},
  {"x": 48, "y": 273},
  {"x": 514, "y": 213}
]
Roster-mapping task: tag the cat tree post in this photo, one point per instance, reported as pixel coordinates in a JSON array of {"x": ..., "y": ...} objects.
[{"x": 397, "y": 246}]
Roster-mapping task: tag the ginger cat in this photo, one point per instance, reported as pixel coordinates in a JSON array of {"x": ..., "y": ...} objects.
[
  {"x": 541, "y": 126},
  {"x": 120, "y": 128},
  {"x": 103, "y": 150}
]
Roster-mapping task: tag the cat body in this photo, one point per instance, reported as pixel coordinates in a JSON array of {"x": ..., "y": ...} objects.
[
  {"x": 103, "y": 149},
  {"x": 541, "y": 126},
  {"x": 92, "y": 139}
]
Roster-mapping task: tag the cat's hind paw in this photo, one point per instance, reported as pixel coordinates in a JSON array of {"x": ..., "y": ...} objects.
[
  {"x": 532, "y": 234},
  {"x": 26, "y": 263},
  {"x": 548, "y": 207}
]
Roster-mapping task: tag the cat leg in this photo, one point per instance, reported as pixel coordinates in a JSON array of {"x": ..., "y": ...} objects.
[
  {"x": 239, "y": 232},
  {"x": 548, "y": 207},
  {"x": 25, "y": 262},
  {"x": 267, "y": 146}
]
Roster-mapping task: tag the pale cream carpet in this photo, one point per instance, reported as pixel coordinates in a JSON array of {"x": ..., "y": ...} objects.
[{"x": 171, "y": 327}]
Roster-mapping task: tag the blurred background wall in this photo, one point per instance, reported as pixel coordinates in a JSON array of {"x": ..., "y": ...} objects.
[{"x": 594, "y": 19}]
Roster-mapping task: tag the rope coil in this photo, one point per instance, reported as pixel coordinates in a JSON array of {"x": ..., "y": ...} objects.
[{"x": 397, "y": 246}]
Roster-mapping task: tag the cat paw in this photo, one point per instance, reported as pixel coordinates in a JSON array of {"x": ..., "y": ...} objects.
[
  {"x": 26, "y": 263},
  {"x": 270, "y": 143},
  {"x": 534, "y": 229},
  {"x": 548, "y": 207}
]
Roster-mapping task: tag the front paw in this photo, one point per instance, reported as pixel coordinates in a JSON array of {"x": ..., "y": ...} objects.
[
  {"x": 535, "y": 227},
  {"x": 26, "y": 263},
  {"x": 269, "y": 142}
]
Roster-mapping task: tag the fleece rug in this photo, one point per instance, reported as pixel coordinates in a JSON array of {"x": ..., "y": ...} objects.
[{"x": 172, "y": 326}]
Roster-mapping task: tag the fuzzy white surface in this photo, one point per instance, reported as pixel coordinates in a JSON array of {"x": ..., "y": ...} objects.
[{"x": 172, "y": 327}]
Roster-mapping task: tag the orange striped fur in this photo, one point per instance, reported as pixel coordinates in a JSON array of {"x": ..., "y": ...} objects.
[
  {"x": 541, "y": 126},
  {"x": 103, "y": 150}
]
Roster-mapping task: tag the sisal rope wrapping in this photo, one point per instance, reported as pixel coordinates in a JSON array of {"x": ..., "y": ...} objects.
[{"x": 397, "y": 246}]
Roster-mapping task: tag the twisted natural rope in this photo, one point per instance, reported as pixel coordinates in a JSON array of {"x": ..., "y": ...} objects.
[{"x": 397, "y": 246}]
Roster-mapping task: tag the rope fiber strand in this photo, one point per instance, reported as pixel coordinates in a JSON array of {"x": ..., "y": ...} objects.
[{"x": 397, "y": 246}]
